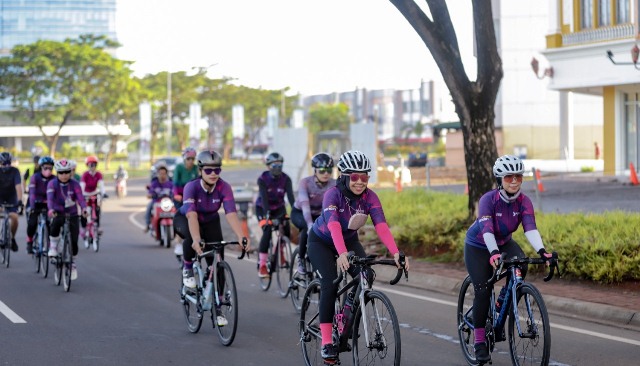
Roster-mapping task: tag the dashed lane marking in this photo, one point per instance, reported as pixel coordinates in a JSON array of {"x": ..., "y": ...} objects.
[{"x": 10, "y": 314}]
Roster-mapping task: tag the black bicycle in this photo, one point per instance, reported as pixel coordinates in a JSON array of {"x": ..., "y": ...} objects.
[
  {"x": 298, "y": 282},
  {"x": 215, "y": 292},
  {"x": 64, "y": 260},
  {"x": 528, "y": 327},
  {"x": 369, "y": 323},
  {"x": 41, "y": 243},
  {"x": 6, "y": 237},
  {"x": 279, "y": 257}
]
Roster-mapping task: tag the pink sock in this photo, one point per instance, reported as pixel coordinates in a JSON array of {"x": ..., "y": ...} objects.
[
  {"x": 263, "y": 258},
  {"x": 326, "y": 331},
  {"x": 479, "y": 334}
]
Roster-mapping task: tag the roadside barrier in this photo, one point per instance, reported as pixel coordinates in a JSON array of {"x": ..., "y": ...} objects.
[{"x": 539, "y": 180}]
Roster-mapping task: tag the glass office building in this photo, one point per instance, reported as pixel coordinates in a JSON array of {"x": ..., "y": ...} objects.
[{"x": 26, "y": 21}]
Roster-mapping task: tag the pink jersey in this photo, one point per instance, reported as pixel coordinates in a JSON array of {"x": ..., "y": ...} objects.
[{"x": 91, "y": 181}]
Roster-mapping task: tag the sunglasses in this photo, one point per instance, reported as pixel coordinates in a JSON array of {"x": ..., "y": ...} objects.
[
  {"x": 323, "y": 170},
  {"x": 276, "y": 166},
  {"x": 63, "y": 173},
  {"x": 208, "y": 171},
  {"x": 91, "y": 165},
  {"x": 47, "y": 168},
  {"x": 512, "y": 178},
  {"x": 364, "y": 177},
  {"x": 190, "y": 159}
]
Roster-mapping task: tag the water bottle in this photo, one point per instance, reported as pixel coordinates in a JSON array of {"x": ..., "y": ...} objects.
[
  {"x": 207, "y": 292},
  {"x": 347, "y": 310},
  {"x": 500, "y": 301}
]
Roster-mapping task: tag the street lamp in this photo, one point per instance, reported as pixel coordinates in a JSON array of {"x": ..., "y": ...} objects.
[
  {"x": 169, "y": 113},
  {"x": 635, "y": 52}
]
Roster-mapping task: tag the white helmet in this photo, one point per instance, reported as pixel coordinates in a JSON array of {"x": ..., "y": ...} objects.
[
  {"x": 354, "y": 161},
  {"x": 508, "y": 164},
  {"x": 63, "y": 165}
]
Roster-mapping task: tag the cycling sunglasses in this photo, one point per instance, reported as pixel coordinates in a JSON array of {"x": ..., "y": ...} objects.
[
  {"x": 208, "y": 171},
  {"x": 364, "y": 177},
  {"x": 323, "y": 170},
  {"x": 512, "y": 178},
  {"x": 64, "y": 173},
  {"x": 275, "y": 166},
  {"x": 91, "y": 165},
  {"x": 47, "y": 168}
]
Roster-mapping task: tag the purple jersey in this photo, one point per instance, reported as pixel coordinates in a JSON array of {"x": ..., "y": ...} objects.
[
  {"x": 338, "y": 208},
  {"x": 196, "y": 199},
  {"x": 65, "y": 197},
  {"x": 275, "y": 189},
  {"x": 158, "y": 190},
  {"x": 310, "y": 196},
  {"x": 38, "y": 189},
  {"x": 500, "y": 218}
]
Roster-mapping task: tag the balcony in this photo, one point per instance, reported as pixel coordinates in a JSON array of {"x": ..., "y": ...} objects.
[{"x": 602, "y": 34}]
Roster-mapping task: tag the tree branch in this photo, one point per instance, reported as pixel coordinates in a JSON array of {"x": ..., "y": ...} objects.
[{"x": 489, "y": 62}]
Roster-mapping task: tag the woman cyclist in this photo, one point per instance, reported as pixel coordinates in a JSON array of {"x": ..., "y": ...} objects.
[
  {"x": 198, "y": 219},
  {"x": 92, "y": 184},
  {"x": 183, "y": 174},
  {"x": 500, "y": 212},
  {"x": 38, "y": 196},
  {"x": 63, "y": 196},
  {"x": 308, "y": 205},
  {"x": 273, "y": 184},
  {"x": 345, "y": 209}
]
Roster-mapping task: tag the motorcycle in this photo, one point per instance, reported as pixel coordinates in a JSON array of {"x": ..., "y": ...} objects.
[
  {"x": 121, "y": 187},
  {"x": 162, "y": 221}
]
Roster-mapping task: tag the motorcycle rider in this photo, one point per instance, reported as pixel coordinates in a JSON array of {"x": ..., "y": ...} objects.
[
  {"x": 121, "y": 174},
  {"x": 162, "y": 187}
]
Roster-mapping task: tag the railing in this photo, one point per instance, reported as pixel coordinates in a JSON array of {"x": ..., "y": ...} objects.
[{"x": 619, "y": 31}]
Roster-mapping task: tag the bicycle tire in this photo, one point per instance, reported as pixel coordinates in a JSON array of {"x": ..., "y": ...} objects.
[
  {"x": 309, "y": 325},
  {"x": 384, "y": 346},
  {"x": 265, "y": 282},
  {"x": 296, "y": 282},
  {"x": 96, "y": 243},
  {"x": 192, "y": 312},
  {"x": 36, "y": 253},
  {"x": 228, "y": 305},
  {"x": 533, "y": 319},
  {"x": 7, "y": 241},
  {"x": 43, "y": 248},
  {"x": 465, "y": 328},
  {"x": 67, "y": 262},
  {"x": 283, "y": 266}
]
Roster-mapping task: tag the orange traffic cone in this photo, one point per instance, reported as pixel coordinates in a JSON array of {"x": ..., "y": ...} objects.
[
  {"x": 540, "y": 185},
  {"x": 466, "y": 189},
  {"x": 633, "y": 175},
  {"x": 399, "y": 184}
]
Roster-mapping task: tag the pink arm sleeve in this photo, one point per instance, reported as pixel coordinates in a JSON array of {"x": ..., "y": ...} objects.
[
  {"x": 336, "y": 234},
  {"x": 387, "y": 238}
]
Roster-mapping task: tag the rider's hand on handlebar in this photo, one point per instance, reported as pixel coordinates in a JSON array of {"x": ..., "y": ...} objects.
[
  {"x": 248, "y": 247},
  {"x": 177, "y": 198},
  {"x": 396, "y": 258},
  {"x": 544, "y": 255},
  {"x": 197, "y": 245},
  {"x": 343, "y": 261},
  {"x": 51, "y": 214},
  {"x": 495, "y": 259}
]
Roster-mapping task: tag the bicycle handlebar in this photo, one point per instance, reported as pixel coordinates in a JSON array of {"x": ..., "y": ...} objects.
[
  {"x": 370, "y": 260},
  {"x": 217, "y": 245},
  {"x": 553, "y": 265}
]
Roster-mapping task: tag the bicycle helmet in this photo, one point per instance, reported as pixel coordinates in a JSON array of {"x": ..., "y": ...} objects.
[
  {"x": 5, "y": 158},
  {"x": 209, "y": 158},
  {"x": 63, "y": 165},
  {"x": 45, "y": 160},
  {"x": 322, "y": 160},
  {"x": 161, "y": 165},
  {"x": 507, "y": 164},
  {"x": 273, "y": 158},
  {"x": 354, "y": 161},
  {"x": 73, "y": 164},
  {"x": 91, "y": 159},
  {"x": 36, "y": 159},
  {"x": 189, "y": 152}
]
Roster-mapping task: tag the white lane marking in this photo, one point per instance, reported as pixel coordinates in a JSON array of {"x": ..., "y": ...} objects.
[
  {"x": 134, "y": 221},
  {"x": 553, "y": 325},
  {"x": 10, "y": 314}
]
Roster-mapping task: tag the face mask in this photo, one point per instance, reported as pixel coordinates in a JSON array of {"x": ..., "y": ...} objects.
[{"x": 357, "y": 221}]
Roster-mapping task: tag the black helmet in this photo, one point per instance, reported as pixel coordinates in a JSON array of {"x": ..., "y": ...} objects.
[
  {"x": 5, "y": 158},
  {"x": 273, "y": 157},
  {"x": 36, "y": 159},
  {"x": 322, "y": 160},
  {"x": 208, "y": 158}
]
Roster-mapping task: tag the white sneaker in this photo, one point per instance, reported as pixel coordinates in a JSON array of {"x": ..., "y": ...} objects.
[
  {"x": 221, "y": 320},
  {"x": 86, "y": 243},
  {"x": 95, "y": 245},
  {"x": 53, "y": 251},
  {"x": 74, "y": 272},
  {"x": 177, "y": 249},
  {"x": 187, "y": 278}
]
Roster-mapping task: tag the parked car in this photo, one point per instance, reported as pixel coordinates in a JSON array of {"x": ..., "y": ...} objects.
[
  {"x": 417, "y": 160},
  {"x": 170, "y": 161}
]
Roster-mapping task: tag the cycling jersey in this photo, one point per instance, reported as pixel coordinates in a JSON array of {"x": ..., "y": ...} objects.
[
  {"x": 91, "y": 183},
  {"x": 182, "y": 176},
  {"x": 310, "y": 195},
  {"x": 38, "y": 189},
  {"x": 64, "y": 197},
  {"x": 274, "y": 189},
  {"x": 205, "y": 204},
  {"x": 158, "y": 190},
  {"x": 500, "y": 218},
  {"x": 9, "y": 179}
]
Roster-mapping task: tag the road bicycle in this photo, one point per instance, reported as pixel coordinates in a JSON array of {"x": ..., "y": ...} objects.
[
  {"x": 64, "y": 260},
  {"x": 215, "y": 292},
  {"x": 41, "y": 243},
  {"x": 528, "y": 327},
  {"x": 6, "y": 237},
  {"x": 92, "y": 230},
  {"x": 372, "y": 327},
  {"x": 298, "y": 282},
  {"x": 279, "y": 257}
]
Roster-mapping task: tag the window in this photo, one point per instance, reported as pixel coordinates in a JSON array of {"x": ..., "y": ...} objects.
[
  {"x": 586, "y": 14},
  {"x": 604, "y": 12},
  {"x": 622, "y": 12}
]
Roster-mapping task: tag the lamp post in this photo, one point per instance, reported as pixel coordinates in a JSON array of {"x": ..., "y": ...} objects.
[{"x": 169, "y": 113}]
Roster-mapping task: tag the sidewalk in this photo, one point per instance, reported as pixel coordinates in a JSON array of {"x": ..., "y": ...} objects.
[{"x": 610, "y": 304}]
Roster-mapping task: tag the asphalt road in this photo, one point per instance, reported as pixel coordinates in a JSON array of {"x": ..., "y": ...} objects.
[{"x": 124, "y": 310}]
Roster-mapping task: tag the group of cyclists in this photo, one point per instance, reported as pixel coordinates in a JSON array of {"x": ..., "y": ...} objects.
[{"x": 327, "y": 212}]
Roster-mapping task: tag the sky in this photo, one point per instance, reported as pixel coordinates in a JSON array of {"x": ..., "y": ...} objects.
[{"x": 312, "y": 47}]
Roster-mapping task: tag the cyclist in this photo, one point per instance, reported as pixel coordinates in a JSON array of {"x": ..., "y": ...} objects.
[
  {"x": 500, "y": 212},
  {"x": 92, "y": 185},
  {"x": 345, "y": 209},
  {"x": 308, "y": 205},
  {"x": 160, "y": 187},
  {"x": 38, "y": 196},
  {"x": 273, "y": 184},
  {"x": 74, "y": 175},
  {"x": 11, "y": 193},
  {"x": 198, "y": 219},
  {"x": 27, "y": 173},
  {"x": 183, "y": 174},
  {"x": 63, "y": 197}
]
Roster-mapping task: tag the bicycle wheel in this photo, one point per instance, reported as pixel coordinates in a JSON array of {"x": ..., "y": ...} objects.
[
  {"x": 296, "y": 282},
  {"x": 530, "y": 338},
  {"x": 36, "y": 252},
  {"x": 265, "y": 282},
  {"x": 57, "y": 273},
  {"x": 43, "y": 247},
  {"x": 382, "y": 326},
  {"x": 192, "y": 311},
  {"x": 284, "y": 263},
  {"x": 67, "y": 263},
  {"x": 310, "y": 338},
  {"x": 465, "y": 320},
  {"x": 96, "y": 241},
  {"x": 7, "y": 242},
  {"x": 228, "y": 304}
]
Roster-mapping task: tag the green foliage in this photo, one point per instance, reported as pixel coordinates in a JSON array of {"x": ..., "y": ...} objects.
[
  {"x": 587, "y": 169},
  {"x": 328, "y": 117},
  {"x": 600, "y": 247}
]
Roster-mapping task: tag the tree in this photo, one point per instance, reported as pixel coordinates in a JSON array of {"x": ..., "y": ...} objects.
[
  {"x": 327, "y": 117},
  {"x": 474, "y": 100}
]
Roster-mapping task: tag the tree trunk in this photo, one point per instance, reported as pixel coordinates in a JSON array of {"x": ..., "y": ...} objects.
[{"x": 112, "y": 150}]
